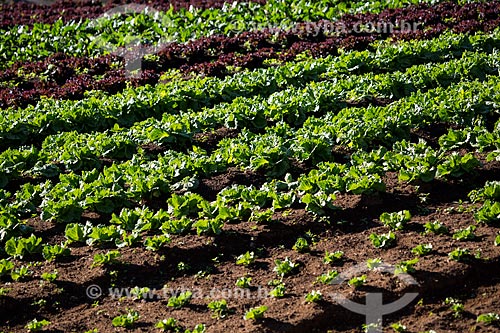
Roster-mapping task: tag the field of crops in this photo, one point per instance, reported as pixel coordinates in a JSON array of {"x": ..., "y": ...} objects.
[{"x": 267, "y": 161}]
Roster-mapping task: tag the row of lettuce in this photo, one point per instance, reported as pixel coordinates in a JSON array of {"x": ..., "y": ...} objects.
[
  {"x": 469, "y": 104},
  {"x": 63, "y": 76},
  {"x": 200, "y": 97},
  {"x": 190, "y": 212},
  {"x": 75, "y": 37},
  {"x": 294, "y": 114},
  {"x": 109, "y": 33}
]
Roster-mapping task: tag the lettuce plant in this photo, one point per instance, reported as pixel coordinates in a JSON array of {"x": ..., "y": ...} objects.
[
  {"x": 373, "y": 263},
  {"x": 301, "y": 245},
  {"x": 180, "y": 300},
  {"x": 243, "y": 282},
  {"x": 156, "y": 242},
  {"x": 278, "y": 291},
  {"x": 489, "y": 212},
  {"x": 6, "y": 266},
  {"x": 422, "y": 249},
  {"x": 50, "y": 277},
  {"x": 357, "y": 281},
  {"x": 435, "y": 227},
  {"x": 37, "y": 325},
  {"x": 140, "y": 293},
  {"x": 107, "y": 258},
  {"x": 488, "y": 318},
  {"x": 332, "y": 257},
  {"x": 256, "y": 313},
  {"x": 20, "y": 273},
  {"x": 285, "y": 267},
  {"x": 327, "y": 277},
  {"x": 246, "y": 259},
  {"x": 397, "y": 220},
  {"x": 168, "y": 325},
  {"x": 20, "y": 247},
  {"x": 465, "y": 234},
  {"x": 52, "y": 252},
  {"x": 314, "y": 296},
  {"x": 460, "y": 255},
  {"x": 219, "y": 308},
  {"x": 126, "y": 320},
  {"x": 406, "y": 266},
  {"x": 383, "y": 241}
]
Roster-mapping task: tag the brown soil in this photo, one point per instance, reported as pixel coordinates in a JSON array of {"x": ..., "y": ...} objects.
[{"x": 210, "y": 271}]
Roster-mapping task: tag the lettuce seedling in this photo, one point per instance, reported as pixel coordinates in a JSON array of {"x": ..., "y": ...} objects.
[
  {"x": 435, "y": 227},
  {"x": 397, "y": 220},
  {"x": 357, "y": 282},
  {"x": 399, "y": 328},
  {"x": 301, "y": 245},
  {"x": 422, "y": 249},
  {"x": 219, "y": 308},
  {"x": 265, "y": 216},
  {"x": 20, "y": 273},
  {"x": 76, "y": 232},
  {"x": 332, "y": 257},
  {"x": 406, "y": 266},
  {"x": 489, "y": 212},
  {"x": 460, "y": 255},
  {"x": 156, "y": 242},
  {"x": 200, "y": 328},
  {"x": 314, "y": 296},
  {"x": 126, "y": 320},
  {"x": 52, "y": 252},
  {"x": 246, "y": 259},
  {"x": 383, "y": 241},
  {"x": 243, "y": 282},
  {"x": 278, "y": 291},
  {"x": 36, "y": 325},
  {"x": 6, "y": 266},
  {"x": 50, "y": 277},
  {"x": 465, "y": 234},
  {"x": 285, "y": 267},
  {"x": 107, "y": 258},
  {"x": 373, "y": 263},
  {"x": 255, "y": 313},
  {"x": 327, "y": 277},
  {"x": 488, "y": 318},
  {"x": 19, "y": 247},
  {"x": 177, "y": 227},
  {"x": 497, "y": 243},
  {"x": 179, "y": 301},
  {"x": 168, "y": 325},
  {"x": 455, "y": 305},
  {"x": 209, "y": 226},
  {"x": 140, "y": 292}
]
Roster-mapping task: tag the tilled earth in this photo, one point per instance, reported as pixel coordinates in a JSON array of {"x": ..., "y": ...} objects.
[{"x": 208, "y": 269}]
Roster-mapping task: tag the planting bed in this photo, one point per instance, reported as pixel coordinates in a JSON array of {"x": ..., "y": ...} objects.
[{"x": 255, "y": 171}]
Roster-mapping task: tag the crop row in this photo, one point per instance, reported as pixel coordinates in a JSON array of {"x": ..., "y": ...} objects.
[
  {"x": 75, "y": 151},
  {"x": 80, "y": 39},
  {"x": 23, "y": 43},
  {"x": 130, "y": 182},
  {"x": 25, "y": 13},
  {"x": 21, "y": 13},
  {"x": 66, "y": 77},
  {"x": 34, "y": 123}
]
